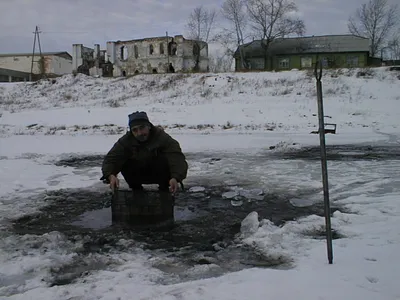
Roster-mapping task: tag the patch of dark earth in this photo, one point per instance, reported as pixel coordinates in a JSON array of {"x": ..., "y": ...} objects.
[
  {"x": 81, "y": 161},
  {"x": 340, "y": 152},
  {"x": 205, "y": 231}
]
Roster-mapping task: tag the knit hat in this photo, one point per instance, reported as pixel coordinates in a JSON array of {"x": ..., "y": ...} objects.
[{"x": 138, "y": 118}]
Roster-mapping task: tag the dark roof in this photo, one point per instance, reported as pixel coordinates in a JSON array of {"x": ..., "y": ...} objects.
[
  {"x": 15, "y": 73},
  {"x": 308, "y": 45},
  {"x": 62, "y": 54}
]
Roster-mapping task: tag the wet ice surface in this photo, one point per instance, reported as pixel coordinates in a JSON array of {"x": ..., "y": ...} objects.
[
  {"x": 344, "y": 152},
  {"x": 75, "y": 225},
  {"x": 95, "y": 219}
]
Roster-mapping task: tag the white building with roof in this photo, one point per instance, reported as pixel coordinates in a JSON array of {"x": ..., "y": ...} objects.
[{"x": 50, "y": 63}]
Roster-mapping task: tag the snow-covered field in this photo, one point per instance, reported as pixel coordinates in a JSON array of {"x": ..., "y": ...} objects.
[{"x": 246, "y": 119}]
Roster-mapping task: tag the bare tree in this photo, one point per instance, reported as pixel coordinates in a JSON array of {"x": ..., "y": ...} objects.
[
  {"x": 374, "y": 20},
  {"x": 274, "y": 19},
  {"x": 199, "y": 26},
  {"x": 394, "y": 46},
  {"x": 221, "y": 62},
  {"x": 234, "y": 11}
]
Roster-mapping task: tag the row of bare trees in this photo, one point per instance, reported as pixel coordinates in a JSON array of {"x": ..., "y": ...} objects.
[
  {"x": 268, "y": 20},
  {"x": 378, "y": 21}
]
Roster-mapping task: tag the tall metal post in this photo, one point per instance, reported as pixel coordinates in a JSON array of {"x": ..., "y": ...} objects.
[
  {"x": 33, "y": 51},
  {"x": 318, "y": 76},
  {"x": 41, "y": 58}
]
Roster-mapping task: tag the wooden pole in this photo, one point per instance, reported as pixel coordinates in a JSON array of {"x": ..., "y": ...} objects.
[{"x": 318, "y": 76}]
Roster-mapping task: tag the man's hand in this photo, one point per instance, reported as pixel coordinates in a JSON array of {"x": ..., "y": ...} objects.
[
  {"x": 114, "y": 182},
  {"x": 173, "y": 186}
]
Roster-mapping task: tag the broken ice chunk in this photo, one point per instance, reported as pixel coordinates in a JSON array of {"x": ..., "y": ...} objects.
[
  {"x": 250, "y": 224},
  {"x": 302, "y": 202},
  {"x": 230, "y": 194},
  {"x": 256, "y": 194},
  {"x": 197, "y": 189},
  {"x": 236, "y": 202}
]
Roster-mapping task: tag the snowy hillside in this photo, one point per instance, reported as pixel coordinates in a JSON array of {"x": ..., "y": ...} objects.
[
  {"x": 250, "y": 224},
  {"x": 284, "y": 101}
]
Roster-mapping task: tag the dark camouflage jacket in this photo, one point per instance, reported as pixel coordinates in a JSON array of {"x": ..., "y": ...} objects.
[{"x": 159, "y": 142}]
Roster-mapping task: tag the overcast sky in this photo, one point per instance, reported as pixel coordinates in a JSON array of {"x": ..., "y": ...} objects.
[{"x": 67, "y": 22}]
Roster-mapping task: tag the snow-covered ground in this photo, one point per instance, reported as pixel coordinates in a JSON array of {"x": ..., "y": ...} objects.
[{"x": 244, "y": 118}]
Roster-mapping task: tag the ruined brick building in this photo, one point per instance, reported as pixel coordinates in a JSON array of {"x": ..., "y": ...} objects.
[
  {"x": 157, "y": 55},
  {"x": 90, "y": 61}
]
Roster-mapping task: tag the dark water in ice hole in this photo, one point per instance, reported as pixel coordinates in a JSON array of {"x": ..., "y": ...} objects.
[{"x": 203, "y": 234}]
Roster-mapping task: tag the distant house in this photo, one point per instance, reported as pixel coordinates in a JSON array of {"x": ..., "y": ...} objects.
[
  {"x": 301, "y": 53},
  {"x": 157, "y": 55},
  {"x": 51, "y": 63}
]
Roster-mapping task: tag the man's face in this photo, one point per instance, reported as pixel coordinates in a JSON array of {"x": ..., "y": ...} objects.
[{"x": 141, "y": 132}]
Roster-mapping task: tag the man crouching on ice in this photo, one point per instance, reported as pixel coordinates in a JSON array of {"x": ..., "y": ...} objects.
[{"x": 145, "y": 155}]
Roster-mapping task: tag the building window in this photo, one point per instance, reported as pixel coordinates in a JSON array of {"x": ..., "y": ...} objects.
[
  {"x": 123, "y": 53},
  {"x": 172, "y": 47},
  {"x": 161, "y": 48},
  {"x": 151, "y": 48},
  {"x": 171, "y": 68},
  {"x": 196, "y": 49},
  {"x": 306, "y": 62},
  {"x": 283, "y": 63},
  {"x": 135, "y": 48},
  {"x": 352, "y": 61}
]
